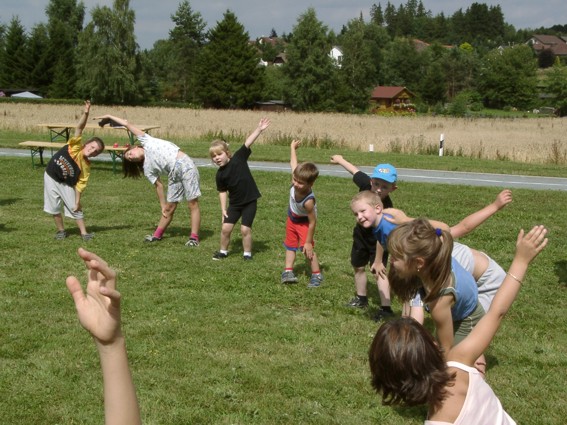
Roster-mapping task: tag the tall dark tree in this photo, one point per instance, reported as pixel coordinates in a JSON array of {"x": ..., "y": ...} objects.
[
  {"x": 403, "y": 64},
  {"x": 108, "y": 64},
  {"x": 229, "y": 71},
  {"x": 358, "y": 73},
  {"x": 187, "y": 37},
  {"x": 461, "y": 67},
  {"x": 376, "y": 14},
  {"x": 65, "y": 22},
  {"x": 310, "y": 72},
  {"x": 38, "y": 45},
  {"x": 14, "y": 62}
]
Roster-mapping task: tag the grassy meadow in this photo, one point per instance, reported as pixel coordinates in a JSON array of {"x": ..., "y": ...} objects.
[
  {"x": 224, "y": 342},
  {"x": 535, "y": 141}
]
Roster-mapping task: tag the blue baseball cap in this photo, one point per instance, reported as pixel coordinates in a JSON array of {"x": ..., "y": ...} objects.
[{"x": 386, "y": 172}]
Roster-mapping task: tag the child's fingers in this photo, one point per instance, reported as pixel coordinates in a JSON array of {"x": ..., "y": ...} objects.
[{"x": 75, "y": 289}]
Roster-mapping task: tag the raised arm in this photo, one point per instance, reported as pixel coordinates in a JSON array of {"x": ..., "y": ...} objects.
[
  {"x": 83, "y": 120},
  {"x": 262, "y": 125},
  {"x": 338, "y": 159},
  {"x": 293, "y": 154},
  {"x": 124, "y": 123},
  {"x": 528, "y": 246},
  {"x": 99, "y": 313},
  {"x": 471, "y": 222}
]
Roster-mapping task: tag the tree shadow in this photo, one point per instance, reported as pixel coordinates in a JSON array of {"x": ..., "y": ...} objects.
[
  {"x": 6, "y": 202},
  {"x": 560, "y": 270}
]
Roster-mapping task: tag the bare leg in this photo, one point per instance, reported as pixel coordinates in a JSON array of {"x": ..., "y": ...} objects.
[
  {"x": 289, "y": 258},
  {"x": 246, "y": 233},
  {"x": 384, "y": 290},
  {"x": 315, "y": 264},
  {"x": 360, "y": 280},
  {"x": 81, "y": 225},
  {"x": 226, "y": 230},
  {"x": 170, "y": 210},
  {"x": 195, "y": 215},
  {"x": 59, "y": 222}
]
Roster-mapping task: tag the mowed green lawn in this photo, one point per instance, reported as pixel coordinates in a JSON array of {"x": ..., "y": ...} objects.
[{"x": 224, "y": 342}]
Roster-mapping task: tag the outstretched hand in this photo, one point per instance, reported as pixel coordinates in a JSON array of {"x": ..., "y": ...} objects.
[
  {"x": 264, "y": 123},
  {"x": 503, "y": 198},
  {"x": 528, "y": 246},
  {"x": 98, "y": 309}
]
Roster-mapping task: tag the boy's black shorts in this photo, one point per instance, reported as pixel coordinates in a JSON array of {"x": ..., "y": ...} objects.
[{"x": 363, "y": 249}]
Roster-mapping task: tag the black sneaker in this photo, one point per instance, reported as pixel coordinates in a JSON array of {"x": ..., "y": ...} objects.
[
  {"x": 382, "y": 315},
  {"x": 220, "y": 255},
  {"x": 87, "y": 236},
  {"x": 247, "y": 257},
  {"x": 357, "y": 302},
  {"x": 151, "y": 238}
]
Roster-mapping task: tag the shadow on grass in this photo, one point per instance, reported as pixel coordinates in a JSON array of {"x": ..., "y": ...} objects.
[
  {"x": 98, "y": 229},
  {"x": 11, "y": 201},
  {"x": 419, "y": 412},
  {"x": 176, "y": 231},
  {"x": 561, "y": 272}
]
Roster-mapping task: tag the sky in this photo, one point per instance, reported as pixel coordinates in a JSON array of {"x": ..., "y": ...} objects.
[{"x": 153, "y": 17}]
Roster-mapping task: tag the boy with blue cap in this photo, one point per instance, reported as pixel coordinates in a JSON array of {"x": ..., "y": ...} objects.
[{"x": 383, "y": 182}]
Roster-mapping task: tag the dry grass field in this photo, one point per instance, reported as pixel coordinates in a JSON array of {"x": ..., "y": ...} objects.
[{"x": 534, "y": 140}]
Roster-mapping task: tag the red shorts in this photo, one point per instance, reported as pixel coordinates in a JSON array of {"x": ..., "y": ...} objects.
[{"x": 295, "y": 235}]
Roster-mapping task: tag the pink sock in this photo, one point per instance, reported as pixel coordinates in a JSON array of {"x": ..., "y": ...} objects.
[{"x": 159, "y": 233}]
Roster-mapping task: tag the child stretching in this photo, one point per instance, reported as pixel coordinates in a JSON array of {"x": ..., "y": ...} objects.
[
  {"x": 486, "y": 272},
  {"x": 236, "y": 184},
  {"x": 156, "y": 157},
  {"x": 66, "y": 177},
  {"x": 301, "y": 219},
  {"x": 368, "y": 210},
  {"x": 409, "y": 368},
  {"x": 98, "y": 311},
  {"x": 421, "y": 262},
  {"x": 363, "y": 251}
]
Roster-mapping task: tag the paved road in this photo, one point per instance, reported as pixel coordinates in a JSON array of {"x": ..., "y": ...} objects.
[{"x": 404, "y": 174}]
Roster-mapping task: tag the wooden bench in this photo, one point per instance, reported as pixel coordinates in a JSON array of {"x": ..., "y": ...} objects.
[{"x": 37, "y": 148}]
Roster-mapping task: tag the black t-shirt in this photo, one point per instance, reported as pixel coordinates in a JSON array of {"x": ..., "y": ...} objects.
[
  {"x": 236, "y": 179},
  {"x": 364, "y": 182},
  {"x": 62, "y": 167}
]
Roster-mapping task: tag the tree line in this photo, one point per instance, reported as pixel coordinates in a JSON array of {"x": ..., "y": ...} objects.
[{"x": 472, "y": 57}]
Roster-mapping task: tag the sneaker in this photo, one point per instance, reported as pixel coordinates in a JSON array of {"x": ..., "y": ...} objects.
[
  {"x": 288, "y": 277},
  {"x": 382, "y": 315},
  {"x": 220, "y": 255},
  {"x": 60, "y": 235},
  {"x": 151, "y": 238},
  {"x": 192, "y": 242},
  {"x": 315, "y": 281},
  {"x": 247, "y": 257},
  {"x": 357, "y": 302},
  {"x": 87, "y": 236}
]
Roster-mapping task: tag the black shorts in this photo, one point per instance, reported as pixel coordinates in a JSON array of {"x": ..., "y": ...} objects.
[
  {"x": 247, "y": 212},
  {"x": 363, "y": 249}
]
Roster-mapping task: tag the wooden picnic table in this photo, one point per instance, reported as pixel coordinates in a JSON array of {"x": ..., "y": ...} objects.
[{"x": 61, "y": 132}]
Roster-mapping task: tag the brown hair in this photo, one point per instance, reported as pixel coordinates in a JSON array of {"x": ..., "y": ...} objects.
[
  {"x": 218, "y": 146},
  {"x": 130, "y": 168},
  {"x": 371, "y": 198},
  {"x": 418, "y": 239},
  {"x": 406, "y": 365},
  {"x": 306, "y": 172},
  {"x": 96, "y": 140}
]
